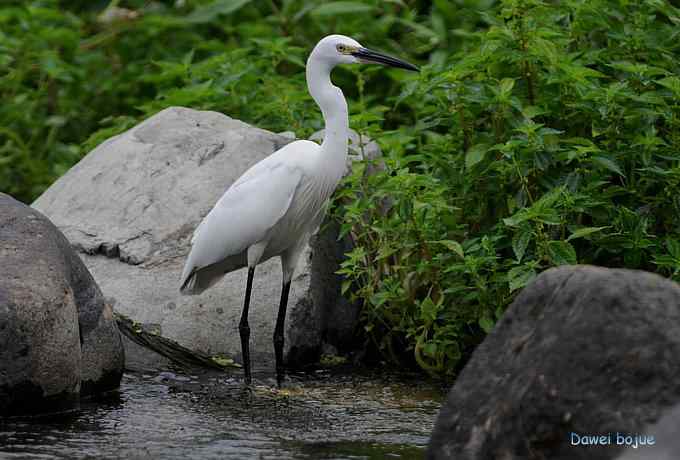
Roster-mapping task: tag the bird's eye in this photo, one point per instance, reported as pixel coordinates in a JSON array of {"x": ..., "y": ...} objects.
[{"x": 341, "y": 48}]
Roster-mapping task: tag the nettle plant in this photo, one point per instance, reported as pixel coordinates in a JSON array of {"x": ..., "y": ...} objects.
[{"x": 553, "y": 138}]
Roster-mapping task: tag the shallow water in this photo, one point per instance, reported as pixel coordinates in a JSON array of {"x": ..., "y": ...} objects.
[{"x": 212, "y": 416}]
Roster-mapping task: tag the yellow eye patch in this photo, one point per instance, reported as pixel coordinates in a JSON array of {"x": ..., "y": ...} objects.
[{"x": 345, "y": 49}]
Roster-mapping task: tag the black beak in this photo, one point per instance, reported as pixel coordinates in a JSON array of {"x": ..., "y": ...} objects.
[{"x": 367, "y": 55}]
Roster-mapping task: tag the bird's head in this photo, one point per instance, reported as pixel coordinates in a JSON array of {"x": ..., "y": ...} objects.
[{"x": 339, "y": 49}]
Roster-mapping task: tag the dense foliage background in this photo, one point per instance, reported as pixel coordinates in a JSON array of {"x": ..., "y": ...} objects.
[{"x": 539, "y": 133}]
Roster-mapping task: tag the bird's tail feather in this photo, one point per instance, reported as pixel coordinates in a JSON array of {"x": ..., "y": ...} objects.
[
  {"x": 189, "y": 285},
  {"x": 196, "y": 280},
  {"x": 201, "y": 279}
]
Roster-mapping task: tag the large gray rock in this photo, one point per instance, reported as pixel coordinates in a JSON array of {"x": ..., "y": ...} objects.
[
  {"x": 582, "y": 350},
  {"x": 661, "y": 440},
  {"x": 46, "y": 296},
  {"x": 130, "y": 208}
]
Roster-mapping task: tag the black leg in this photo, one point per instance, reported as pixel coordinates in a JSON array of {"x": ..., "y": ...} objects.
[
  {"x": 278, "y": 333},
  {"x": 244, "y": 328}
]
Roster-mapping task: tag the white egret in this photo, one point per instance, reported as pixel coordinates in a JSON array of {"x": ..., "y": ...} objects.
[{"x": 274, "y": 207}]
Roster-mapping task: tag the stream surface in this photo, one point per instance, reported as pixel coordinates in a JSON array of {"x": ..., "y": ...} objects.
[{"x": 172, "y": 415}]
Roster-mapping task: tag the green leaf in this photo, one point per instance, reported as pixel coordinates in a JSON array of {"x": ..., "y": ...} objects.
[
  {"x": 486, "y": 324},
  {"x": 188, "y": 58},
  {"x": 608, "y": 163},
  {"x": 506, "y": 86},
  {"x": 562, "y": 253},
  {"x": 429, "y": 310},
  {"x": 430, "y": 349},
  {"x": 520, "y": 216},
  {"x": 379, "y": 298},
  {"x": 475, "y": 154},
  {"x": 336, "y": 8},
  {"x": 520, "y": 242},
  {"x": 638, "y": 68},
  {"x": 544, "y": 48},
  {"x": 584, "y": 231},
  {"x": 518, "y": 277},
  {"x": 673, "y": 248},
  {"x": 209, "y": 12},
  {"x": 454, "y": 246},
  {"x": 672, "y": 83},
  {"x": 385, "y": 252},
  {"x": 666, "y": 261}
]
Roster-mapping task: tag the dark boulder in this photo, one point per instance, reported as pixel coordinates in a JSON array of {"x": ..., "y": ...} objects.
[
  {"x": 103, "y": 357},
  {"x": 662, "y": 440},
  {"x": 582, "y": 350},
  {"x": 49, "y": 305}
]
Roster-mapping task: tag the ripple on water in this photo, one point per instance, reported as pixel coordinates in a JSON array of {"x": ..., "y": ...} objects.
[{"x": 212, "y": 416}]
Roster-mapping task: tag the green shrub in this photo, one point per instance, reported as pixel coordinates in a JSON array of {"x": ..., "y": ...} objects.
[{"x": 552, "y": 138}]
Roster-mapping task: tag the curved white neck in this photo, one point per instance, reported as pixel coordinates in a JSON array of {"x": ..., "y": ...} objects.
[{"x": 332, "y": 103}]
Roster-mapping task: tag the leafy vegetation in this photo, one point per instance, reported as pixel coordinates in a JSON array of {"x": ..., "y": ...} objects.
[{"x": 538, "y": 133}]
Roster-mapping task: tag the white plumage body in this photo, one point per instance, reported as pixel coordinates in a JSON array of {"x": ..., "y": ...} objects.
[{"x": 277, "y": 203}]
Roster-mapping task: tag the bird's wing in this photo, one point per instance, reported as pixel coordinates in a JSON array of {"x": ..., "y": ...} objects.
[
  {"x": 244, "y": 214},
  {"x": 292, "y": 156}
]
